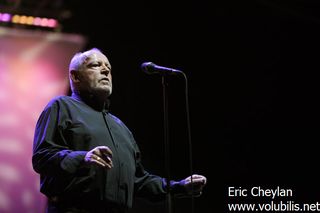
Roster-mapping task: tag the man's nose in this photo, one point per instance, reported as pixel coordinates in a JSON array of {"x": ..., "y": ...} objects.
[{"x": 105, "y": 69}]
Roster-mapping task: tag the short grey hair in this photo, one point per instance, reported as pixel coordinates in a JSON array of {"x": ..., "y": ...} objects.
[{"x": 79, "y": 58}]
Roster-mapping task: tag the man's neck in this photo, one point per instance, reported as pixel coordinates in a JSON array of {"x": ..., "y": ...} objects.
[{"x": 97, "y": 102}]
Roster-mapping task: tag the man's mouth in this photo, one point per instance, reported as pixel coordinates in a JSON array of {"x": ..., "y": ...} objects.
[{"x": 104, "y": 79}]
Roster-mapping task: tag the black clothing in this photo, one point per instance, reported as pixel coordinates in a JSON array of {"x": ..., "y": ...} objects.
[
  {"x": 68, "y": 128},
  {"x": 84, "y": 207}
]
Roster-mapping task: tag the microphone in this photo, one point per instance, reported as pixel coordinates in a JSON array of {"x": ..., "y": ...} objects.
[{"x": 151, "y": 68}]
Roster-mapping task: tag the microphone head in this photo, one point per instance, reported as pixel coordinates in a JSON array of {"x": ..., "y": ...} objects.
[
  {"x": 151, "y": 68},
  {"x": 148, "y": 67}
]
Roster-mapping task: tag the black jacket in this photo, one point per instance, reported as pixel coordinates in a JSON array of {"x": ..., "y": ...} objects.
[{"x": 68, "y": 128}]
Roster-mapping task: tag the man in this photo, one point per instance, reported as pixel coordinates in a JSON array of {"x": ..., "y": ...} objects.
[{"x": 87, "y": 158}]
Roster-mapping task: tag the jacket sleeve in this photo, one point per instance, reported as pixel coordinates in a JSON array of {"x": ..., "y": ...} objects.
[
  {"x": 51, "y": 154},
  {"x": 153, "y": 187},
  {"x": 148, "y": 186}
]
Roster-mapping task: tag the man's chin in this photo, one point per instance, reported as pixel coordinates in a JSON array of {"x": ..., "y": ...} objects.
[{"x": 103, "y": 91}]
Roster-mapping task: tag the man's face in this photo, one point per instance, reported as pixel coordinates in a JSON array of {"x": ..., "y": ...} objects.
[{"x": 95, "y": 74}]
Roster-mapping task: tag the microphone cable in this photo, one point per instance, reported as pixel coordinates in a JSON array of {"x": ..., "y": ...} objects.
[{"x": 189, "y": 138}]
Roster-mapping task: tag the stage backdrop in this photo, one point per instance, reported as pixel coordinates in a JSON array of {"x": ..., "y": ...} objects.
[{"x": 33, "y": 69}]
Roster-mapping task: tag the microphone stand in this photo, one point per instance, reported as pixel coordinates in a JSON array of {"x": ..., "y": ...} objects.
[
  {"x": 151, "y": 68},
  {"x": 166, "y": 143}
]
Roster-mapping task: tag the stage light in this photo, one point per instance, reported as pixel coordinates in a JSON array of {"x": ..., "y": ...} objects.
[
  {"x": 5, "y": 17},
  {"x": 29, "y": 20}
]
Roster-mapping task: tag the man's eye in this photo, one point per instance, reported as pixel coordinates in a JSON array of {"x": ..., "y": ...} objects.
[{"x": 94, "y": 65}]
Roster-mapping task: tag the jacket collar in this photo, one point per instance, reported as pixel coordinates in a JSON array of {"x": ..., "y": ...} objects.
[{"x": 92, "y": 101}]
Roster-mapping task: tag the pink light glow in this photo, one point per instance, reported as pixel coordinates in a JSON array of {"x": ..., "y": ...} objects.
[
  {"x": 44, "y": 22},
  {"x": 32, "y": 71},
  {"x": 5, "y": 17},
  {"x": 37, "y": 21},
  {"x": 52, "y": 23}
]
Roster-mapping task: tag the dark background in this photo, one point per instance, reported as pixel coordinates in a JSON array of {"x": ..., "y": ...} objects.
[{"x": 252, "y": 69}]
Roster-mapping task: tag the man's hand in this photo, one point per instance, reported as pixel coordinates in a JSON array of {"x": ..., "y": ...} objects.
[
  {"x": 101, "y": 155},
  {"x": 194, "y": 185}
]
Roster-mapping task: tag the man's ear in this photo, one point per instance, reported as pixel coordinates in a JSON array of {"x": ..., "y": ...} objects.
[{"x": 74, "y": 76}]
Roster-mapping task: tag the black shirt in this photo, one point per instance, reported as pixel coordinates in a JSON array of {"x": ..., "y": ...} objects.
[{"x": 68, "y": 128}]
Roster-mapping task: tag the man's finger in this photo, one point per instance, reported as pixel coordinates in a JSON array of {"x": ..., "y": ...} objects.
[
  {"x": 105, "y": 150},
  {"x": 101, "y": 161}
]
